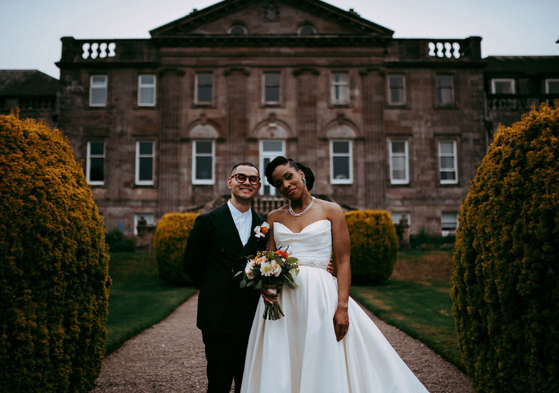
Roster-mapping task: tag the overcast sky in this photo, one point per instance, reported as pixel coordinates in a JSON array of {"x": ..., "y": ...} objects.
[{"x": 30, "y": 31}]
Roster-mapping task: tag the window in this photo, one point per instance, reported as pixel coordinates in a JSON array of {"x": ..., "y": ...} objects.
[
  {"x": 95, "y": 168},
  {"x": 447, "y": 162},
  {"x": 98, "y": 90},
  {"x": 502, "y": 86},
  {"x": 145, "y": 155},
  {"x": 396, "y": 90},
  {"x": 271, "y": 87},
  {"x": 237, "y": 29},
  {"x": 204, "y": 87},
  {"x": 146, "y": 90},
  {"x": 399, "y": 173},
  {"x": 552, "y": 86},
  {"x": 449, "y": 223},
  {"x": 341, "y": 162},
  {"x": 445, "y": 93},
  {"x": 203, "y": 162},
  {"x": 306, "y": 30},
  {"x": 340, "y": 88},
  {"x": 147, "y": 216},
  {"x": 269, "y": 149},
  {"x": 396, "y": 216}
]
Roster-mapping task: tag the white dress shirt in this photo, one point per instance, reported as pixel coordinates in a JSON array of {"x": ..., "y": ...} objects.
[{"x": 243, "y": 222}]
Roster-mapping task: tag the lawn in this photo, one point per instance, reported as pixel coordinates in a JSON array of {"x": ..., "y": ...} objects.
[
  {"x": 138, "y": 297},
  {"x": 416, "y": 299}
]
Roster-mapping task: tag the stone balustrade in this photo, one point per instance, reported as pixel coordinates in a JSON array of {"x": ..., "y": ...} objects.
[{"x": 517, "y": 103}]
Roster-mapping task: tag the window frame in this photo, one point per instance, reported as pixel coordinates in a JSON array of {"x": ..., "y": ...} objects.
[
  {"x": 452, "y": 91},
  {"x": 262, "y": 156},
  {"x": 447, "y": 232},
  {"x": 138, "y": 156},
  {"x": 147, "y": 86},
  {"x": 404, "y": 90},
  {"x": 196, "y": 181},
  {"x": 391, "y": 155},
  {"x": 196, "y": 86},
  {"x": 454, "y": 155},
  {"x": 547, "y": 80},
  {"x": 334, "y": 84},
  {"x": 349, "y": 155},
  {"x": 92, "y": 87},
  {"x": 495, "y": 80},
  {"x": 89, "y": 156},
  {"x": 264, "y": 102}
]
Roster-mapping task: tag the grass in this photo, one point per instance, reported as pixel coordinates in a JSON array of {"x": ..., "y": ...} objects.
[
  {"x": 417, "y": 300},
  {"x": 138, "y": 297}
]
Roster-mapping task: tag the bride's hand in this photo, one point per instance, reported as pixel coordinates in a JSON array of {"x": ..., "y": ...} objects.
[{"x": 341, "y": 322}]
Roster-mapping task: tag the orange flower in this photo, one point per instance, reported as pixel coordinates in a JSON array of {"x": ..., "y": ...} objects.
[{"x": 264, "y": 230}]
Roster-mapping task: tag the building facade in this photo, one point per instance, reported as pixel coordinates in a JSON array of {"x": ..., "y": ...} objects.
[{"x": 385, "y": 123}]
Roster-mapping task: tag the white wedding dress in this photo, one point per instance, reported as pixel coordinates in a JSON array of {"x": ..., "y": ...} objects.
[{"x": 299, "y": 352}]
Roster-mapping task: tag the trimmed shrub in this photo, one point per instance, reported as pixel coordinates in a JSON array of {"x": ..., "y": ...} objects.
[
  {"x": 505, "y": 284},
  {"x": 119, "y": 242},
  {"x": 374, "y": 245},
  {"x": 428, "y": 241},
  {"x": 53, "y": 265},
  {"x": 169, "y": 243}
]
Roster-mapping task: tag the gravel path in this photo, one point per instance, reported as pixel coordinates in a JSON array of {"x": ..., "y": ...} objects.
[{"x": 169, "y": 357}]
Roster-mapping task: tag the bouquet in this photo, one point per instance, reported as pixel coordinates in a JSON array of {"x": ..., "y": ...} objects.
[{"x": 270, "y": 267}]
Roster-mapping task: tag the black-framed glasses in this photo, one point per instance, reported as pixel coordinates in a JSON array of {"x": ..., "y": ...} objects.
[{"x": 241, "y": 178}]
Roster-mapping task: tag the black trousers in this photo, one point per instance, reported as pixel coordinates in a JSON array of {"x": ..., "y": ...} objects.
[{"x": 226, "y": 361}]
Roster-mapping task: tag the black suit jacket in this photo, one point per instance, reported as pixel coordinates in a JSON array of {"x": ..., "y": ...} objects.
[{"x": 214, "y": 254}]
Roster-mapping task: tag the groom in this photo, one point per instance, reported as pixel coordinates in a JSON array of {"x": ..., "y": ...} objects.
[{"x": 216, "y": 249}]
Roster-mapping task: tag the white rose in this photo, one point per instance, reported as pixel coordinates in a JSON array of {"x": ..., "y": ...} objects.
[
  {"x": 276, "y": 268},
  {"x": 248, "y": 270}
]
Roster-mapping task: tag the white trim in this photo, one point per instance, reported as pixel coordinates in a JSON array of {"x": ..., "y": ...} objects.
[
  {"x": 264, "y": 88},
  {"x": 138, "y": 156},
  {"x": 194, "y": 156},
  {"x": 495, "y": 80},
  {"x": 270, "y": 155},
  {"x": 405, "y": 155},
  {"x": 196, "y": 99},
  {"x": 349, "y": 155},
  {"x": 88, "y": 164},
  {"x": 403, "y": 101},
  {"x": 340, "y": 85},
  {"x": 547, "y": 84},
  {"x": 147, "y": 86},
  {"x": 97, "y": 86},
  {"x": 455, "y": 163}
]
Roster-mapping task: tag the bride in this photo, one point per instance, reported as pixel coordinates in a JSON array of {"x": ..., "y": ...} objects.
[{"x": 325, "y": 342}]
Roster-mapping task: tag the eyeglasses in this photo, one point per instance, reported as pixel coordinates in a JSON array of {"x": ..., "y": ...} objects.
[{"x": 241, "y": 178}]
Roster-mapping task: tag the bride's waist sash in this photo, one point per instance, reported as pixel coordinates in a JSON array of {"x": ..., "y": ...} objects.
[{"x": 313, "y": 263}]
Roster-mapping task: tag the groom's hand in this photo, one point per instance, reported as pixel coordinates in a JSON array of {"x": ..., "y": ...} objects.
[
  {"x": 330, "y": 268},
  {"x": 270, "y": 292}
]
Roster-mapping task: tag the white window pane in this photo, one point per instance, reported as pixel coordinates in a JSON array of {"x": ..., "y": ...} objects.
[
  {"x": 98, "y": 96},
  {"x": 444, "y": 96},
  {"x": 146, "y": 147},
  {"x": 340, "y": 147},
  {"x": 146, "y": 169},
  {"x": 398, "y": 147},
  {"x": 272, "y": 78},
  {"x": 147, "y": 80},
  {"x": 97, "y": 148},
  {"x": 449, "y": 220},
  {"x": 444, "y": 81},
  {"x": 204, "y": 168},
  {"x": 503, "y": 87},
  {"x": 447, "y": 162},
  {"x": 448, "y": 175},
  {"x": 396, "y": 81},
  {"x": 203, "y": 147},
  {"x": 96, "y": 169},
  {"x": 272, "y": 146},
  {"x": 399, "y": 164},
  {"x": 447, "y": 147},
  {"x": 97, "y": 81},
  {"x": 147, "y": 95},
  {"x": 341, "y": 168},
  {"x": 272, "y": 94}
]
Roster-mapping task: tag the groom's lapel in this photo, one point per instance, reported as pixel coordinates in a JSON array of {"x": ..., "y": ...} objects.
[{"x": 223, "y": 221}]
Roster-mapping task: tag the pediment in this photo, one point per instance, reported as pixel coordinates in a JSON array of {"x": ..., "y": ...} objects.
[{"x": 265, "y": 18}]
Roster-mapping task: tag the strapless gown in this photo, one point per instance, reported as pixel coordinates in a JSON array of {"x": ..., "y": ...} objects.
[{"x": 299, "y": 352}]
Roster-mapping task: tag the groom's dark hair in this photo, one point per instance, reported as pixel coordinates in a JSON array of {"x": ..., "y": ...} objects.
[{"x": 245, "y": 164}]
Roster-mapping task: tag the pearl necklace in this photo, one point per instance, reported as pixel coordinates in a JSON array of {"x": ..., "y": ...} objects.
[{"x": 303, "y": 212}]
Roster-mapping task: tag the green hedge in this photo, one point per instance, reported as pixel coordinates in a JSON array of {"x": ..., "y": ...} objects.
[
  {"x": 169, "y": 243},
  {"x": 119, "y": 242},
  {"x": 505, "y": 285},
  {"x": 374, "y": 245},
  {"x": 53, "y": 265}
]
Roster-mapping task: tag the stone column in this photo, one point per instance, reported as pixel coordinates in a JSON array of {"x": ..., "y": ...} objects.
[
  {"x": 307, "y": 128},
  {"x": 237, "y": 120},
  {"x": 375, "y": 138},
  {"x": 168, "y": 168}
]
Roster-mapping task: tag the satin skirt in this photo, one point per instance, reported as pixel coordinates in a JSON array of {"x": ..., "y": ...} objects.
[{"x": 300, "y": 353}]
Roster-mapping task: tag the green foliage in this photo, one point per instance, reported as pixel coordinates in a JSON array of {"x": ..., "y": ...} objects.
[
  {"x": 427, "y": 241},
  {"x": 374, "y": 245},
  {"x": 119, "y": 242},
  {"x": 505, "y": 284},
  {"x": 169, "y": 243},
  {"x": 53, "y": 265}
]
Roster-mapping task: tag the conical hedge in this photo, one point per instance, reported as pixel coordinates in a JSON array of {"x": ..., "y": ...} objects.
[
  {"x": 505, "y": 284},
  {"x": 53, "y": 265}
]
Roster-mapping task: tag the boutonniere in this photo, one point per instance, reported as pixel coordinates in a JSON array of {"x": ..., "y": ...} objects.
[{"x": 262, "y": 230}]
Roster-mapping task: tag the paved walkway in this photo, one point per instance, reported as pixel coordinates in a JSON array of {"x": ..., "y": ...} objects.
[{"x": 169, "y": 357}]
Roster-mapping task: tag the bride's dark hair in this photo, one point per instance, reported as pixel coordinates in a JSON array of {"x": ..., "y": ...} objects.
[{"x": 309, "y": 176}]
